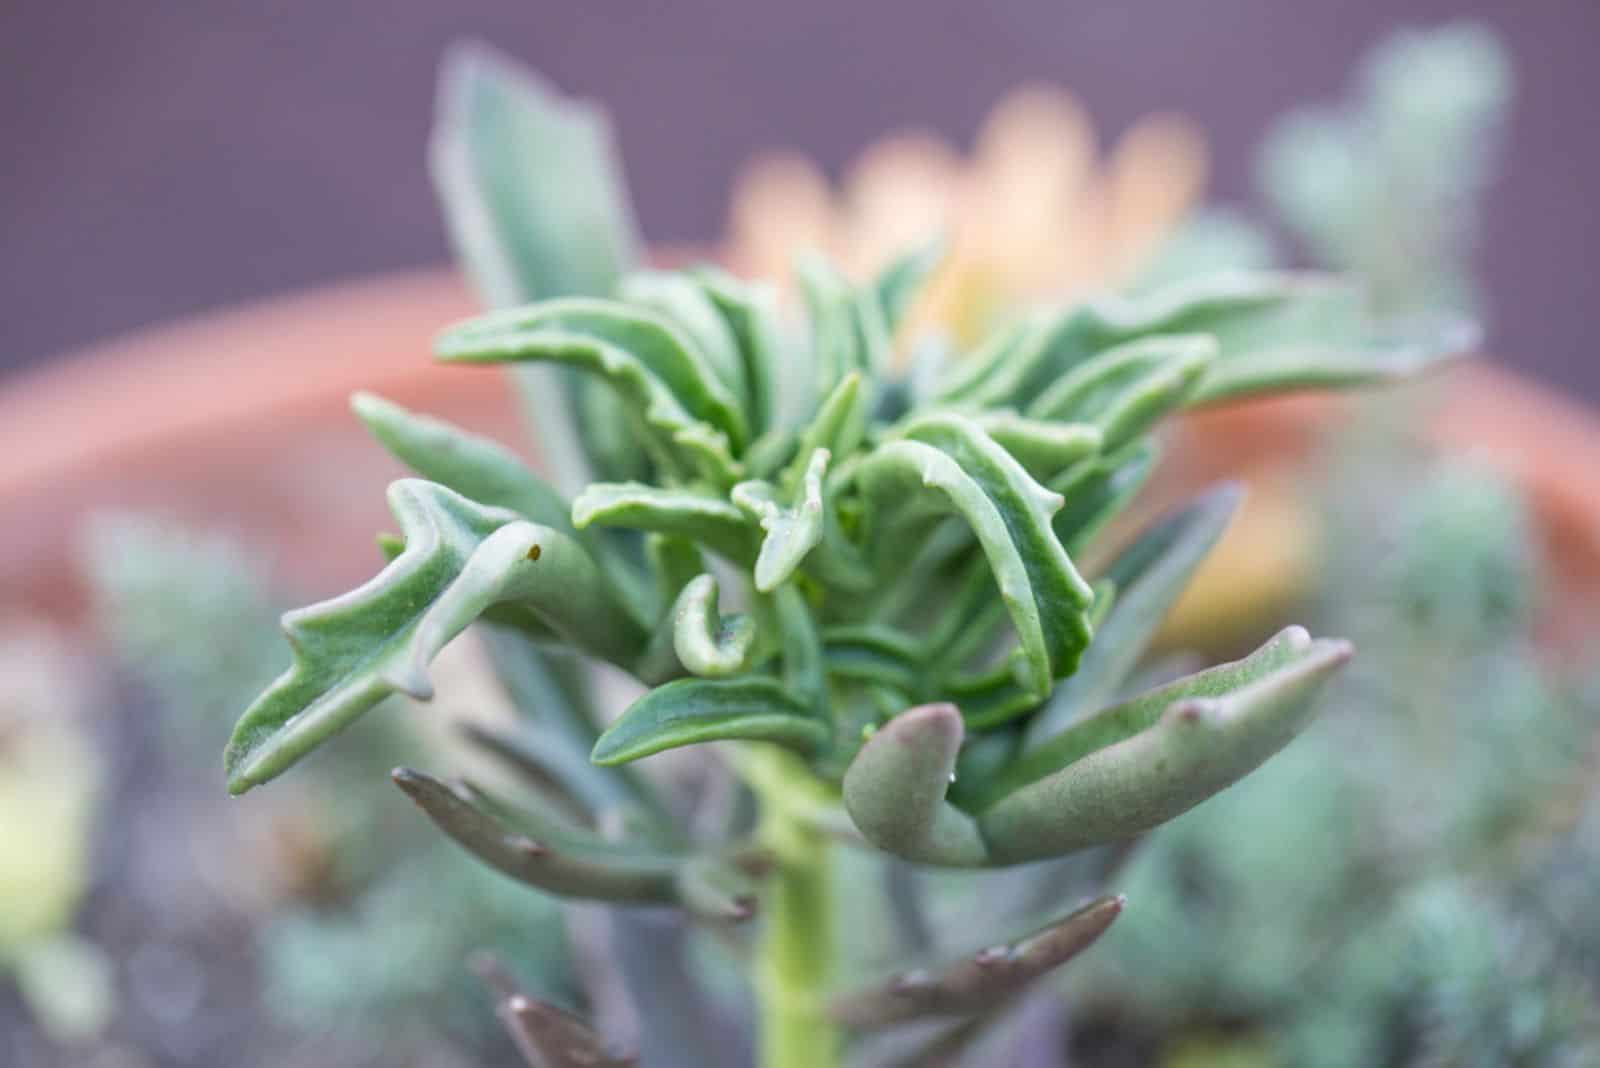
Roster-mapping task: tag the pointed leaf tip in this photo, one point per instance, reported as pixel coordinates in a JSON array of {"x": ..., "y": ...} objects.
[{"x": 983, "y": 980}]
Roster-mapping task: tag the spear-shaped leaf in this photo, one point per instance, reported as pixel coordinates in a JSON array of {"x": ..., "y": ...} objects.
[
  {"x": 536, "y": 206},
  {"x": 898, "y": 285},
  {"x": 572, "y": 862},
  {"x": 751, "y": 314},
  {"x": 688, "y": 711},
  {"x": 460, "y": 560},
  {"x": 982, "y": 981},
  {"x": 1137, "y": 765},
  {"x": 601, "y": 874},
  {"x": 547, "y": 1036}
]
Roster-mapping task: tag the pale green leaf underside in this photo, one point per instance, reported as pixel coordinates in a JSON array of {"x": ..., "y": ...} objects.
[
  {"x": 1116, "y": 774},
  {"x": 460, "y": 560}
]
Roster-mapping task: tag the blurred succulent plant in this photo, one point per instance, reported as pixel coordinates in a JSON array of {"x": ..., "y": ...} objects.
[
  {"x": 50, "y": 785},
  {"x": 1400, "y": 847},
  {"x": 1387, "y": 185},
  {"x": 864, "y": 580}
]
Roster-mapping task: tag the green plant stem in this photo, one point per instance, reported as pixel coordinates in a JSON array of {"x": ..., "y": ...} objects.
[{"x": 795, "y": 957}]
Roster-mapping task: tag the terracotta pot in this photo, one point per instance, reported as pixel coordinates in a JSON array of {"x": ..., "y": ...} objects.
[{"x": 239, "y": 419}]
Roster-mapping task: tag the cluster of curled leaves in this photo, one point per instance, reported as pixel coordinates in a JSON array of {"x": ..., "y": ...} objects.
[{"x": 875, "y": 567}]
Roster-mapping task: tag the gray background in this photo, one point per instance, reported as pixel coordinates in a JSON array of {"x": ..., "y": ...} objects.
[{"x": 167, "y": 156}]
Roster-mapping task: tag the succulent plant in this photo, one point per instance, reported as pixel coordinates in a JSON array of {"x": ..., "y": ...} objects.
[{"x": 868, "y": 581}]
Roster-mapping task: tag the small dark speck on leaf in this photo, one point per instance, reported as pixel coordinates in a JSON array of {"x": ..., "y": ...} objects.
[{"x": 533, "y": 552}]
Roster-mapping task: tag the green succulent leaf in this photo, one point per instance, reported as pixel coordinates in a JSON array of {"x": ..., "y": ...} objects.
[
  {"x": 875, "y": 652},
  {"x": 529, "y": 180},
  {"x": 678, "y": 298},
  {"x": 980, "y": 982},
  {"x": 839, "y": 425},
  {"x": 1045, "y": 448},
  {"x": 648, "y": 361},
  {"x": 838, "y": 345},
  {"x": 460, "y": 560},
  {"x": 1149, "y": 577},
  {"x": 708, "y": 644},
  {"x": 599, "y": 872},
  {"x": 537, "y": 207},
  {"x": 689, "y": 514},
  {"x": 1126, "y": 390},
  {"x": 750, "y": 312},
  {"x": 1135, "y": 766},
  {"x": 688, "y": 711},
  {"x": 474, "y": 466},
  {"x": 1008, "y": 512},
  {"x": 1097, "y": 491},
  {"x": 546, "y": 1035},
  {"x": 900, "y": 283},
  {"x": 1274, "y": 331},
  {"x": 790, "y": 532},
  {"x": 895, "y": 789}
]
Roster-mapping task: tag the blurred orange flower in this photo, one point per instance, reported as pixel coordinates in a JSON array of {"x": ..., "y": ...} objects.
[{"x": 1034, "y": 214}]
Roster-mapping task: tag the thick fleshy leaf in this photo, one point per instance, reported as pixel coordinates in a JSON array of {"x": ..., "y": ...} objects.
[
  {"x": 536, "y": 846},
  {"x": 899, "y": 284},
  {"x": 646, "y": 359},
  {"x": 838, "y": 426},
  {"x": 689, "y": 514},
  {"x": 474, "y": 466},
  {"x": 751, "y": 314},
  {"x": 1126, "y": 390},
  {"x": 1010, "y": 515},
  {"x": 530, "y": 182},
  {"x": 790, "y": 531},
  {"x": 536, "y": 206},
  {"x": 545, "y": 1035},
  {"x": 460, "y": 560},
  {"x": 707, "y": 643},
  {"x": 1044, "y": 447},
  {"x": 1097, "y": 491},
  {"x": 836, "y": 340},
  {"x": 1161, "y": 754},
  {"x": 875, "y": 652},
  {"x": 602, "y": 873},
  {"x": 688, "y": 711},
  {"x": 680, "y": 299},
  {"x": 982, "y": 981},
  {"x": 1149, "y": 576},
  {"x": 895, "y": 789},
  {"x": 1274, "y": 331}
]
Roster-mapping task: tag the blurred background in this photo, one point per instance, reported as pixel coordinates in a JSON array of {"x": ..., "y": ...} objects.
[
  {"x": 220, "y": 221},
  {"x": 169, "y": 158}
]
